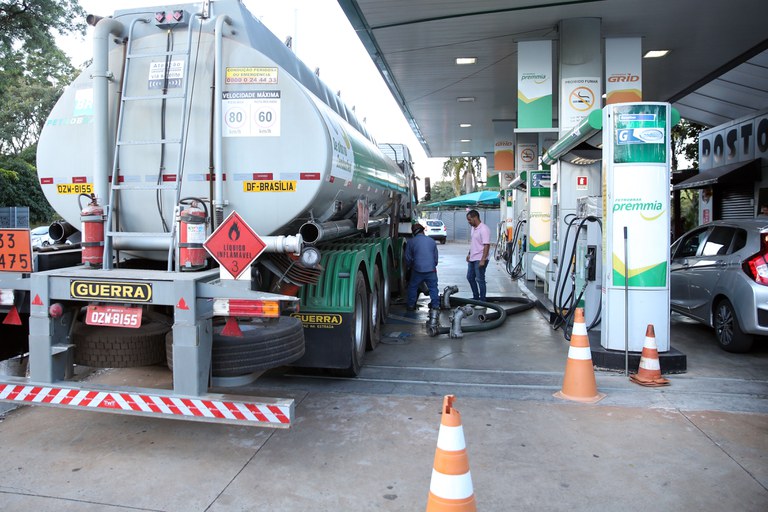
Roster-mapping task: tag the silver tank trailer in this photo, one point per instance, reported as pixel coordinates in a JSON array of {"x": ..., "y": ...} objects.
[{"x": 289, "y": 149}]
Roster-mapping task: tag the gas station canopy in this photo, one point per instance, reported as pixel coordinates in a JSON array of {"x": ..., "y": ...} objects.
[{"x": 716, "y": 68}]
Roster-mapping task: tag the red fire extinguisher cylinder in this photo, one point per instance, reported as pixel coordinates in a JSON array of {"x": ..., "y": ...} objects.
[
  {"x": 192, "y": 255},
  {"x": 92, "y": 218}
]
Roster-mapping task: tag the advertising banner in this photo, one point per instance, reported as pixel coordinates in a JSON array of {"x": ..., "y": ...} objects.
[
  {"x": 504, "y": 147},
  {"x": 623, "y": 70},
  {"x": 534, "y": 84}
]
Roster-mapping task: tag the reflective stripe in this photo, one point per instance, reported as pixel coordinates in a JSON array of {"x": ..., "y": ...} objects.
[
  {"x": 649, "y": 342},
  {"x": 649, "y": 364},
  {"x": 579, "y": 328},
  {"x": 451, "y": 439},
  {"x": 451, "y": 487},
  {"x": 581, "y": 353},
  {"x": 162, "y": 405}
]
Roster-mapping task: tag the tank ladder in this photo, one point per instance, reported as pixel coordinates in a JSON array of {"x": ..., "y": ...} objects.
[{"x": 116, "y": 185}]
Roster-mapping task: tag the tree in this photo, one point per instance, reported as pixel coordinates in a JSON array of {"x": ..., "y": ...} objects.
[
  {"x": 19, "y": 186},
  {"x": 684, "y": 139},
  {"x": 462, "y": 170},
  {"x": 33, "y": 69},
  {"x": 441, "y": 191},
  {"x": 31, "y": 81},
  {"x": 31, "y": 23},
  {"x": 33, "y": 74}
]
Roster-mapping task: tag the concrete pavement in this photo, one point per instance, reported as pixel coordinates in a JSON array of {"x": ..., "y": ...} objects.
[{"x": 368, "y": 443}]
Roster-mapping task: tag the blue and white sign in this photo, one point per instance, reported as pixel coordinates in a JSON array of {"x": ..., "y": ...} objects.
[{"x": 640, "y": 136}]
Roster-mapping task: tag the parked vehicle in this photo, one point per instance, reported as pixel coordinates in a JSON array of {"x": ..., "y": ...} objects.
[
  {"x": 435, "y": 228},
  {"x": 719, "y": 276},
  {"x": 40, "y": 237}
]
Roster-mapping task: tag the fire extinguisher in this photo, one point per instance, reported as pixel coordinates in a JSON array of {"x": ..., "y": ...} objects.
[
  {"x": 192, "y": 221},
  {"x": 92, "y": 217}
]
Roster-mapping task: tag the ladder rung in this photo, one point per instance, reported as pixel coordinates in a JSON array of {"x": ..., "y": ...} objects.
[
  {"x": 157, "y": 54},
  {"x": 147, "y": 142},
  {"x": 147, "y": 186},
  {"x": 138, "y": 234},
  {"x": 154, "y": 97}
]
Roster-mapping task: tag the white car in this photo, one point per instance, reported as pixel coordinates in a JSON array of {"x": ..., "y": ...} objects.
[
  {"x": 435, "y": 228},
  {"x": 39, "y": 237}
]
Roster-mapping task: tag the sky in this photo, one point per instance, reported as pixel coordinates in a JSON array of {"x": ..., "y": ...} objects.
[{"x": 322, "y": 37}]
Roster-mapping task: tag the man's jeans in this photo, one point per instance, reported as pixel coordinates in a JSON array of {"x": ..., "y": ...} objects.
[
  {"x": 476, "y": 278},
  {"x": 416, "y": 279}
]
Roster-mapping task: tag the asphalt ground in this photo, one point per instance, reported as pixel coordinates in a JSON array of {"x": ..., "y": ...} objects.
[{"x": 368, "y": 443}]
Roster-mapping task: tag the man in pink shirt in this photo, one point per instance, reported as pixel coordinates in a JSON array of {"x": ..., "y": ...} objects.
[{"x": 477, "y": 258}]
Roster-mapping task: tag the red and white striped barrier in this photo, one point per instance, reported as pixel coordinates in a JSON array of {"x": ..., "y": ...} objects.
[{"x": 277, "y": 415}]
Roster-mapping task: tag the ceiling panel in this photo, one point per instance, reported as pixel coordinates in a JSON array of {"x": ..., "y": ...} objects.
[{"x": 415, "y": 43}]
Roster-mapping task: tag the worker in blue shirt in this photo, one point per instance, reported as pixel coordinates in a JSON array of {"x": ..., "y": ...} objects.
[{"x": 421, "y": 259}]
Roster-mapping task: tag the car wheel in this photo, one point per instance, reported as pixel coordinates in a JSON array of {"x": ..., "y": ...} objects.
[
  {"x": 442, "y": 241},
  {"x": 728, "y": 331}
]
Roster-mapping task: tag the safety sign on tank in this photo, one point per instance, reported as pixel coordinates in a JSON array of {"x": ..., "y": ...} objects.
[{"x": 251, "y": 114}]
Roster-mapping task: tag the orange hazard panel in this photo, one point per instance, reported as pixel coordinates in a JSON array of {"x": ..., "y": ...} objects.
[{"x": 15, "y": 250}]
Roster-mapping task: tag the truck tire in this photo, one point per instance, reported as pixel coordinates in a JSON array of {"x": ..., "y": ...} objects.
[
  {"x": 359, "y": 331},
  {"x": 388, "y": 288},
  {"x": 119, "y": 347},
  {"x": 260, "y": 348},
  {"x": 375, "y": 319}
]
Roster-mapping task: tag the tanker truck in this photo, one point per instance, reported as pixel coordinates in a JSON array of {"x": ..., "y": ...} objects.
[{"x": 235, "y": 215}]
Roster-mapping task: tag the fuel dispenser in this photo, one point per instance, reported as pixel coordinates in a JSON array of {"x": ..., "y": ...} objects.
[
  {"x": 575, "y": 229},
  {"x": 610, "y": 226},
  {"x": 636, "y": 164}
]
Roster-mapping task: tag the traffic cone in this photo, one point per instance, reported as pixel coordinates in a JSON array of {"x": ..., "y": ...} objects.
[
  {"x": 649, "y": 372},
  {"x": 451, "y": 487},
  {"x": 579, "y": 380}
]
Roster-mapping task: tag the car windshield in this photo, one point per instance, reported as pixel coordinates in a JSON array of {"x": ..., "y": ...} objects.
[{"x": 434, "y": 223}]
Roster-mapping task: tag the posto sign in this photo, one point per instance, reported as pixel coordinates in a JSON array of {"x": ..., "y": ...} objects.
[{"x": 738, "y": 141}]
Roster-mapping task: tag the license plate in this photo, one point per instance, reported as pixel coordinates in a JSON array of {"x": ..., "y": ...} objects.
[{"x": 114, "y": 316}]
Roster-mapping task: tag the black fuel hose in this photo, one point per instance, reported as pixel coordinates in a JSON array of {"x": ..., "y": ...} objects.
[{"x": 500, "y": 314}]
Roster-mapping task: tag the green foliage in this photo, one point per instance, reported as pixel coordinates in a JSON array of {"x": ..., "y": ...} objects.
[
  {"x": 30, "y": 83},
  {"x": 684, "y": 139},
  {"x": 462, "y": 169},
  {"x": 689, "y": 207},
  {"x": 19, "y": 186},
  {"x": 441, "y": 191},
  {"x": 31, "y": 23},
  {"x": 33, "y": 74}
]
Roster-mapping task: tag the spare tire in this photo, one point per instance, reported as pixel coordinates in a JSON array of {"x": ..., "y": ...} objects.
[
  {"x": 261, "y": 347},
  {"x": 119, "y": 347}
]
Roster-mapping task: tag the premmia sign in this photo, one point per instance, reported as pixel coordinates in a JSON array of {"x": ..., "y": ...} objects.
[{"x": 738, "y": 141}]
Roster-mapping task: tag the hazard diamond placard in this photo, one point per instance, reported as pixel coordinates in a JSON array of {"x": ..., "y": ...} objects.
[{"x": 234, "y": 245}]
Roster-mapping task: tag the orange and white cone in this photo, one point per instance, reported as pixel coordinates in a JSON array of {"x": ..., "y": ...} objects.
[
  {"x": 451, "y": 487},
  {"x": 649, "y": 372},
  {"x": 579, "y": 380}
]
